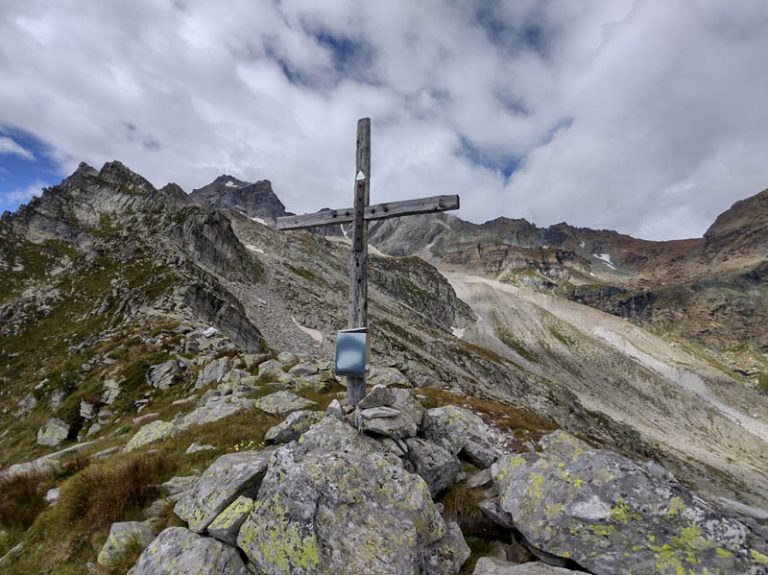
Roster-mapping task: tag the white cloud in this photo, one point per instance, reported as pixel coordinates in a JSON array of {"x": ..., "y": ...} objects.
[
  {"x": 10, "y": 146},
  {"x": 645, "y": 116},
  {"x": 22, "y": 195}
]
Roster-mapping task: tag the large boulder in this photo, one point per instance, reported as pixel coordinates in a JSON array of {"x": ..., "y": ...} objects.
[
  {"x": 463, "y": 433},
  {"x": 613, "y": 516},
  {"x": 229, "y": 477},
  {"x": 177, "y": 551},
  {"x": 122, "y": 537},
  {"x": 54, "y": 432},
  {"x": 335, "y": 502}
]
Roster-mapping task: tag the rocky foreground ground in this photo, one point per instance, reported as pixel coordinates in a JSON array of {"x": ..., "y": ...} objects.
[{"x": 342, "y": 492}]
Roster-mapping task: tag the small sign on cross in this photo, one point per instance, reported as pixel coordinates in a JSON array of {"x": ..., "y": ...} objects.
[{"x": 361, "y": 213}]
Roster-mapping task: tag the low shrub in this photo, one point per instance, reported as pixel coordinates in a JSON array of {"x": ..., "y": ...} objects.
[
  {"x": 102, "y": 494},
  {"x": 22, "y": 498}
]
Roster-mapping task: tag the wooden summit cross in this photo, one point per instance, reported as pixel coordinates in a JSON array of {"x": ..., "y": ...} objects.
[{"x": 361, "y": 214}]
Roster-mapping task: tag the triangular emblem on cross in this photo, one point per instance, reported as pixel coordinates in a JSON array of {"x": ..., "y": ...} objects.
[{"x": 361, "y": 213}]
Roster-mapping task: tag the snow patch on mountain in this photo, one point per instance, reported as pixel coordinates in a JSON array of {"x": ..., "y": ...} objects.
[{"x": 606, "y": 259}]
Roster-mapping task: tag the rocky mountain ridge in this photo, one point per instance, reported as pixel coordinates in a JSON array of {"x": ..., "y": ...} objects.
[{"x": 143, "y": 302}]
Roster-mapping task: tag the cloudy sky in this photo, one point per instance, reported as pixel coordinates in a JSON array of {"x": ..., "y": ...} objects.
[{"x": 646, "y": 116}]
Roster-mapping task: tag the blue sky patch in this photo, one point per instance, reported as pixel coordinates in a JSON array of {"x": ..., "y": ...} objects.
[
  {"x": 505, "y": 166},
  {"x": 22, "y": 176}
]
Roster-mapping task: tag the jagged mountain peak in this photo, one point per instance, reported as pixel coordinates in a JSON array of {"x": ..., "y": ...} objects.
[
  {"x": 255, "y": 200},
  {"x": 743, "y": 226}
]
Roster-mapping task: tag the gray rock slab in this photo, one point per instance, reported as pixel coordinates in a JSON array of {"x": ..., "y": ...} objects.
[
  {"x": 294, "y": 425},
  {"x": 282, "y": 402},
  {"x": 122, "y": 537},
  {"x": 178, "y": 551},
  {"x": 229, "y": 477},
  {"x": 336, "y": 503},
  {"x": 384, "y": 412},
  {"x": 493, "y": 566},
  {"x": 379, "y": 396},
  {"x": 612, "y": 515}
]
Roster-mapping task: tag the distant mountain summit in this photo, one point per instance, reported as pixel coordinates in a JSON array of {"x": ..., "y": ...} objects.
[{"x": 255, "y": 200}]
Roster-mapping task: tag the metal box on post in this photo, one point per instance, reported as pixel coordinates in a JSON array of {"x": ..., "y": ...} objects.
[{"x": 352, "y": 352}]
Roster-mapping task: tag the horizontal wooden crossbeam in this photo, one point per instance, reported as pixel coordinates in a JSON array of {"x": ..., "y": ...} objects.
[{"x": 377, "y": 212}]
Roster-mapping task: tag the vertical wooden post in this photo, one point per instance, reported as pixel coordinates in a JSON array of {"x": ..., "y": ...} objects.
[{"x": 358, "y": 280}]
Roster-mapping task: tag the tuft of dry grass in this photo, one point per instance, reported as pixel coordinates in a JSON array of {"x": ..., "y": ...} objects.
[
  {"x": 102, "y": 494},
  {"x": 22, "y": 498}
]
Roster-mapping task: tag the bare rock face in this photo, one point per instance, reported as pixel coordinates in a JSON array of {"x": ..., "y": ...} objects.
[
  {"x": 333, "y": 502},
  {"x": 177, "y": 551},
  {"x": 612, "y": 515}
]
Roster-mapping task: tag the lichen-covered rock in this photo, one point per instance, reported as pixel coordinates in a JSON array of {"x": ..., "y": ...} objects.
[
  {"x": 151, "y": 432},
  {"x": 54, "y": 432},
  {"x": 229, "y": 477},
  {"x": 227, "y": 524},
  {"x": 612, "y": 515},
  {"x": 122, "y": 537},
  {"x": 294, "y": 425},
  {"x": 463, "y": 433},
  {"x": 436, "y": 465},
  {"x": 335, "y": 503},
  {"x": 493, "y": 566},
  {"x": 177, "y": 551},
  {"x": 282, "y": 402}
]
